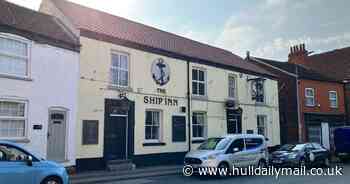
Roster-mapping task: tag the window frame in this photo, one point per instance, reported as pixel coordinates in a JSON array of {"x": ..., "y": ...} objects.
[
  {"x": 198, "y": 81},
  {"x": 28, "y": 44},
  {"x": 112, "y": 67},
  {"x": 25, "y": 118},
  {"x": 160, "y": 135},
  {"x": 264, "y": 117},
  {"x": 313, "y": 97},
  {"x": 204, "y": 125},
  {"x": 330, "y": 99},
  {"x": 231, "y": 76}
]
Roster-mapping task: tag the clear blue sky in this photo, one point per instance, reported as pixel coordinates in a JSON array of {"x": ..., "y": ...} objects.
[{"x": 265, "y": 27}]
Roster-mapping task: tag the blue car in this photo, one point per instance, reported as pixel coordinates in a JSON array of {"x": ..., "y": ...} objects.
[{"x": 18, "y": 166}]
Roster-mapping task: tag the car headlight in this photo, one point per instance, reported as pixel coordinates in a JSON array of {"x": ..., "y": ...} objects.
[{"x": 210, "y": 157}]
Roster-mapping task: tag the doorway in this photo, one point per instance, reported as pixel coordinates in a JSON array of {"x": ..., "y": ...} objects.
[{"x": 56, "y": 135}]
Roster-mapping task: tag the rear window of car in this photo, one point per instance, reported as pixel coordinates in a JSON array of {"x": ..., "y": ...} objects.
[{"x": 252, "y": 143}]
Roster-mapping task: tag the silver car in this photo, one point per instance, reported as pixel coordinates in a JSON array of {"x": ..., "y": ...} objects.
[{"x": 239, "y": 150}]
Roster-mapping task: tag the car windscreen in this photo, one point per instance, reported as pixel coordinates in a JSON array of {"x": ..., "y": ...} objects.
[
  {"x": 214, "y": 144},
  {"x": 292, "y": 147}
]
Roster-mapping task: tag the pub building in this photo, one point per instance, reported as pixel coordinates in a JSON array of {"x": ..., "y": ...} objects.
[{"x": 147, "y": 96}]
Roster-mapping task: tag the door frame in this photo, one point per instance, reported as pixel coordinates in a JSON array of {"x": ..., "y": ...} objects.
[{"x": 66, "y": 113}]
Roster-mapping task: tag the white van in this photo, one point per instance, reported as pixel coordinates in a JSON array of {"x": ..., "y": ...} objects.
[{"x": 239, "y": 150}]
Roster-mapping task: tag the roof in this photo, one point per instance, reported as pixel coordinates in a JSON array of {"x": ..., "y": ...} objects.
[
  {"x": 110, "y": 27},
  {"x": 335, "y": 64},
  {"x": 301, "y": 71},
  {"x": 35, "y": 26}
]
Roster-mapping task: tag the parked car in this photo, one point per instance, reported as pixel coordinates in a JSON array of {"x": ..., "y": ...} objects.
[
  {"x": 297, "y": 155},
  {"x": 19, "y": 166},
  {"x": 239, "y": 150},
  {"x": 342, "y": 143}
]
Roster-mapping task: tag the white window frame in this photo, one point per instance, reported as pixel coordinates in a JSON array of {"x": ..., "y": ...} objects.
[
  {"x": 204, "y": 124},
  {"x": 264, "y": 117},
  {"x": 160, "y": 133},
  {"x": 234, "y": 87},
  {"x": 308, "y": 96},
  {"x": 119, "y": 53},
  {"x": 25, "y": 41},
  {"x": 333, "y": 99},
  {"x": 198, "y": 81},
  {"x": 25, "y": 118}
]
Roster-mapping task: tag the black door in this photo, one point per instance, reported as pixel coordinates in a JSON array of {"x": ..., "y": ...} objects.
[{"x": 115, "y": 140}]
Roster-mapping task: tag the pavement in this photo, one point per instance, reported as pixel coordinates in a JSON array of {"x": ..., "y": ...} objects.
[{"x": 180, "y": 179}]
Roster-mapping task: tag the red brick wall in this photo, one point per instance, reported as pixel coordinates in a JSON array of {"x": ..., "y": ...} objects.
[
  {"x": 321, "y": 96},
  {"x": 322, "y": 104}
]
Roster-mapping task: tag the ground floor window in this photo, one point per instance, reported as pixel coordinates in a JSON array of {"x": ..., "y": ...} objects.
[
  {"x": 315, "y": 134},
  {"x": 198, "y": 124},
  {"x": 152, "y": 125},
  {"x": 262, "y": 125},
  {"x": 12, "y": 119}
]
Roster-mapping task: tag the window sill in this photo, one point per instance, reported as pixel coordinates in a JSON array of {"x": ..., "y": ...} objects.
[
  {"x": 16, "y": 140},
  {"x": 199, "y": 97},
  {"x": 119, "y": 88},
  {"x": 24, "y": 78},
  {"x": 154, "y": 144}
]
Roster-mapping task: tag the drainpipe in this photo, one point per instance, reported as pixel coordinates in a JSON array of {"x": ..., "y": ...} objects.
[
  {"x": 298, "y": 105},
  {"x": 189, "y": 106}
]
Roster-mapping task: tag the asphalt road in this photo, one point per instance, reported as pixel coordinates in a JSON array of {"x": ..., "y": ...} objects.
[{"x": 179, "y": 179}]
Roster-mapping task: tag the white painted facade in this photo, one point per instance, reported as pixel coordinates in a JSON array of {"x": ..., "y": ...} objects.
[{"x": 51, "y": 84}]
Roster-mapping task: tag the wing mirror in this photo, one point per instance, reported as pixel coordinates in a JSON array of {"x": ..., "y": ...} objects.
[
  {"x": 235, "y": 150},
  {"x": 29, "y": 160}
]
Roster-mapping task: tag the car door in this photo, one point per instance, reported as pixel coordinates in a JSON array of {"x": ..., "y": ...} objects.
[
  {"x": 254, "y": 150},
  {"x": 320, "y": 153},
  {"x": 236, "y": 153},
  {"x": 13, "y": 167}
]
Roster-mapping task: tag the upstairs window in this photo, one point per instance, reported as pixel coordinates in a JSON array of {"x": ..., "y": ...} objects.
[
  {"x": 232, "y": 87},
  {"x": 198, "y": 82},
  {"x": 310, "y": 97},
  {"x": 14, "y": 57},
  {"x": 120, "y": 69},
  {"x": 258, "y": 90},
  {"x": 333, "y": 99}
]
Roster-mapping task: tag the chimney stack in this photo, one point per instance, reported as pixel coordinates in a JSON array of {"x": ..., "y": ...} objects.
[{"x": 297, "y": 54}]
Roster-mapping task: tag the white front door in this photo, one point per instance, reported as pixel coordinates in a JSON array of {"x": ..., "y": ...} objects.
[
  {"x": 325, "y": 135},
  {"x": 56, "y": 137}
]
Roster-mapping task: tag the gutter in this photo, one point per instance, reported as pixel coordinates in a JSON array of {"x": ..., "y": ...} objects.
[{"x": 189, "y": 106}]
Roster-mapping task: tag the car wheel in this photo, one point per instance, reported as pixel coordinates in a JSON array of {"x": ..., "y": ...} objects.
[
  {"x": 326, "y": 162},
  {"x": 262, "y": 164},
  {"x": 52, "y": 180},
  {"x": 225, "y": 167}
]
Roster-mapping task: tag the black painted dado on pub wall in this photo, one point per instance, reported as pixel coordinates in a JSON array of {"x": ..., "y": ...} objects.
[{"x": 119, "y": 129}]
